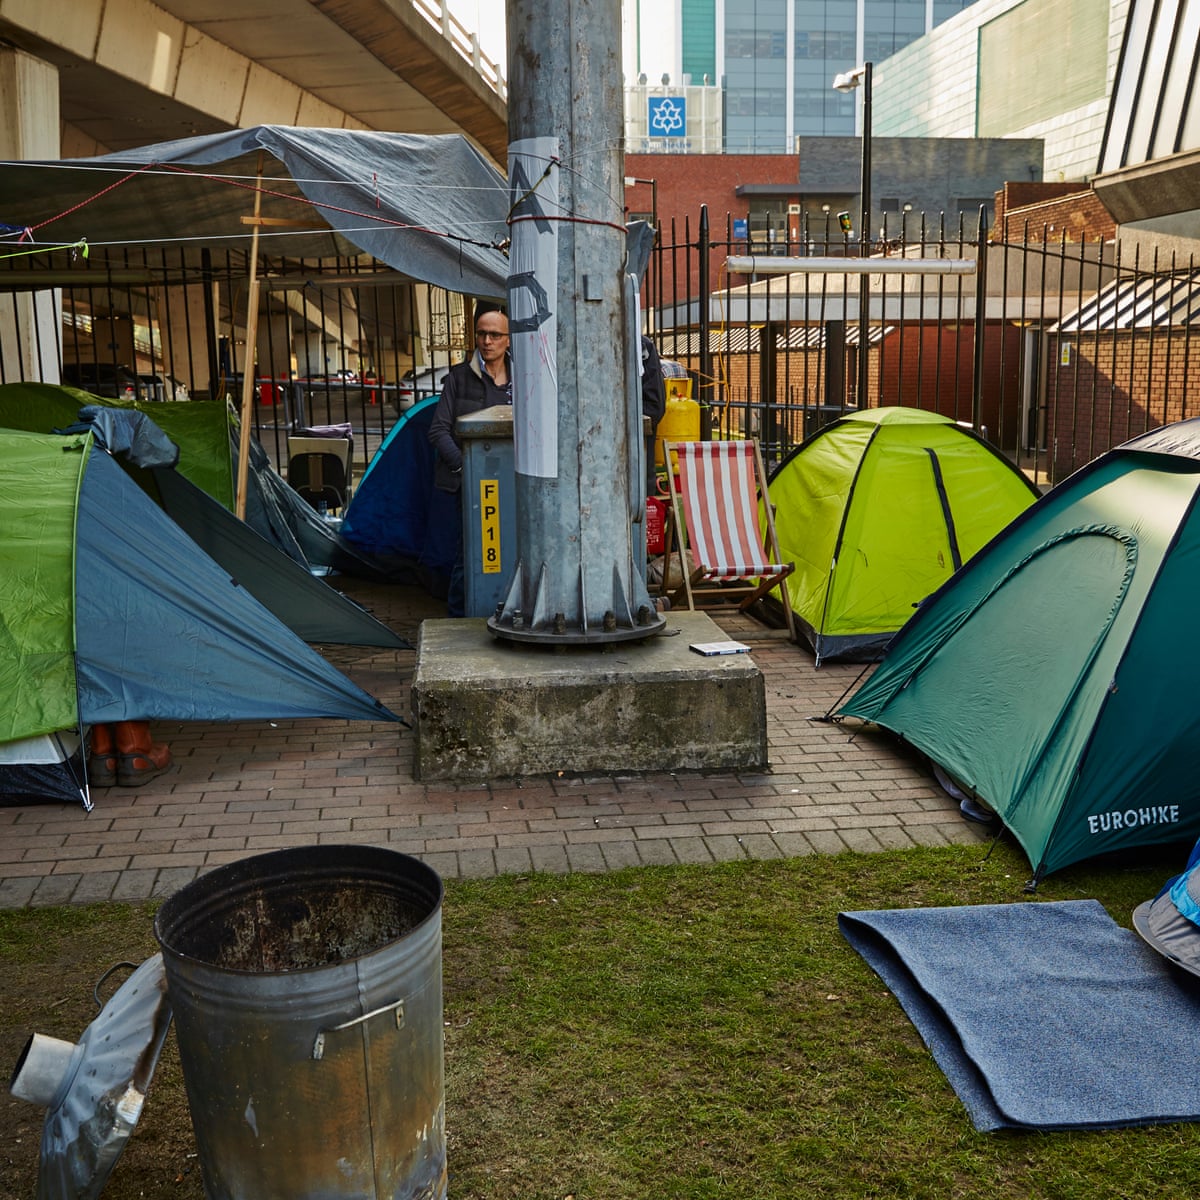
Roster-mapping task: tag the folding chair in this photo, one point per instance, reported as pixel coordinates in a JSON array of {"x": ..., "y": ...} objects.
[
  {"x": 717, "y": 518},
  {"x": 319, "y": 470}
]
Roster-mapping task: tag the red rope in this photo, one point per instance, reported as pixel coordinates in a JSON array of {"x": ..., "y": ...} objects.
[
  {"x": 84, "y": 203},
  {"x": 263, "y": 191},
  {"x": 570, "y": 221}
]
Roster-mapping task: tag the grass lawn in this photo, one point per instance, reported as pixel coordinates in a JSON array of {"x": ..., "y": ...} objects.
[{"x": 686, "y": 1032}]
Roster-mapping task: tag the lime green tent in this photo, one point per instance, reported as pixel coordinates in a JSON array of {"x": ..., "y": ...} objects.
[
  {"x": 877, "y": 511},
  {"x": 1055, "y": 675}
]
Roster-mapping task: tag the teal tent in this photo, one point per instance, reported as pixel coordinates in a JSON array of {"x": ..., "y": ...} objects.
[
  {"x": 109, "y": 612},
  {"x": 397, "y": 519},
  {"x": 1056, "y": 675},
  {"x": 877, "y": 511}
]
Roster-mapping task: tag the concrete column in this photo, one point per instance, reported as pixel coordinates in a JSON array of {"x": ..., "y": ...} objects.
[
  {"x": 576, "y": 411},
  {"x": 30, "y": 324}
]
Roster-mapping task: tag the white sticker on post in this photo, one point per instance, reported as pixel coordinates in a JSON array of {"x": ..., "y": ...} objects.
[{"x": 532, "y": 297}]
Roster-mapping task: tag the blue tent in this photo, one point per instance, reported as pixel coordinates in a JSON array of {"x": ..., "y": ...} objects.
[
  {"x": 109, "y": 612},
  {"x": 397, "y": 519}
]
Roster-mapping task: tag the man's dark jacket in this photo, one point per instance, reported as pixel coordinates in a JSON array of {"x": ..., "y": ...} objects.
[{"x": 467, "y": 389}]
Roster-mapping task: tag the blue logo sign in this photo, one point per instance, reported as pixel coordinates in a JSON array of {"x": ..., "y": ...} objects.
[
  {"x": 741, "y": 229},
  {"x": 667, "y": 116}
]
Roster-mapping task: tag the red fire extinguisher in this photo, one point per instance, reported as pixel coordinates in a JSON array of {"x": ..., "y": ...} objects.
[{"x": 656, "y": 514}]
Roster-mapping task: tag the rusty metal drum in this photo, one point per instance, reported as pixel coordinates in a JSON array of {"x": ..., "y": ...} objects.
[{"x": 307, "y": 991}]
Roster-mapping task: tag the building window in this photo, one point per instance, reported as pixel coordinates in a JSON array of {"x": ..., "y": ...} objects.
[
  {"x": 751, "y": 44},
  {"x": 826, "y": 45}
]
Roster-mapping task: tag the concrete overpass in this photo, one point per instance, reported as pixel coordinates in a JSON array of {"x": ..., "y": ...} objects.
[{"x": 130, "y": 72}]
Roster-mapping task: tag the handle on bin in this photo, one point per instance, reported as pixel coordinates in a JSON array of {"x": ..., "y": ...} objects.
[{"x": 396, "y": 1006}]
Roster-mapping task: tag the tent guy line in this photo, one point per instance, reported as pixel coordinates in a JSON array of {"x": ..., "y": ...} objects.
[
  {"x": 38, "y": 248},
  {"x": 264, "y": 234},
  {"x": 165, "y": 169}
]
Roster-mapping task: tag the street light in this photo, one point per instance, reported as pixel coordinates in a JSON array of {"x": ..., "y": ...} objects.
[
  {"x": 848, "y": 81},
  {"x": 630, "y": 180}
]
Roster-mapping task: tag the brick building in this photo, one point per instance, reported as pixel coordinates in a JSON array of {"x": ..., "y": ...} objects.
[
  {"x": 1051, "y": 212},
  {"x": 789, "y": 203}
]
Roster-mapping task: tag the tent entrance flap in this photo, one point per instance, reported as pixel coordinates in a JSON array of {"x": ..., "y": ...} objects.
[
  {"x": 940, "y": 488},
  {"x": 1000, "y": 735}
]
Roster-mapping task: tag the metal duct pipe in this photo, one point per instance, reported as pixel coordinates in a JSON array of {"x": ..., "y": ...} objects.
[
  {"x": 753, "y": 264},
  {"x": 41, "y": 1069}
]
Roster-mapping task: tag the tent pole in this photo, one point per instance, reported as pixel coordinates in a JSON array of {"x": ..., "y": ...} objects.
[{"x": 243, "y": 475}]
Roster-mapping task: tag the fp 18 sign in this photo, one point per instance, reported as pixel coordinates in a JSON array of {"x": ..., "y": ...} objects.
[{"x": 489, "y": 525}]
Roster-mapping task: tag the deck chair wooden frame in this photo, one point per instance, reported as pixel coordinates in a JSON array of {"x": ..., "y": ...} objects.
[{"x": 715, "y": 521}]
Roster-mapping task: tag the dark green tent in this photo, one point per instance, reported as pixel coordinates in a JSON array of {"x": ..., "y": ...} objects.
[{"x": 1055, "y": 675}]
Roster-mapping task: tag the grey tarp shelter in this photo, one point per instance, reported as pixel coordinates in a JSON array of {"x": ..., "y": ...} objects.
[{"x": 429, "y": 206}]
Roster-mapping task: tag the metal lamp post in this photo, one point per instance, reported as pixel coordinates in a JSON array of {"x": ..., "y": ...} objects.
[
  {"x": 576, "y": 399},
  {"x": 848, "y": 81},
  {"x": 630, "y": 180}
]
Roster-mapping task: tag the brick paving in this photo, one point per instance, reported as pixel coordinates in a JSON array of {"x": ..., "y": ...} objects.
[{"x": 245, "y": 788}]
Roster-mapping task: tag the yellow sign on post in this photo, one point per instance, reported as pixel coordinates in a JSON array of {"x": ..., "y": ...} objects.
[{"x": 489, "y": 525}]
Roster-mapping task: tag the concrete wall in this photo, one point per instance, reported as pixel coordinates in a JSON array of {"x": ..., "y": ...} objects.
[
  {"x": 142, "y": 45},
  {"x": 30, "y": 323},
  {"x": 934, "y": 175}
]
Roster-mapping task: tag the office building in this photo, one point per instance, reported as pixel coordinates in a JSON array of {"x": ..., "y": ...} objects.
[
  {"x": 1037, "y": 68},
  {"x": 775, "y": 59}
]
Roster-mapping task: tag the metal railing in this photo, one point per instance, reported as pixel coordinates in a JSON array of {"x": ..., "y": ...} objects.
[
  {"x": 336, "y": 337},
  {"x": 465, "y": 42},
  {"x": 1059, "y": 350}
]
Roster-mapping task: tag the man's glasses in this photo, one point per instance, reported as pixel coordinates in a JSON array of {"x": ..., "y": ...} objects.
[{"x": 488, "y": 335}]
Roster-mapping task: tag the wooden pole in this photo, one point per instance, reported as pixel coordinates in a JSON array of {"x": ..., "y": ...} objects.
[{"x": 243, "y": 475}]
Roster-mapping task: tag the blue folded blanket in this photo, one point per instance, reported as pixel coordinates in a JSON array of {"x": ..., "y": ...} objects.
[{"x": 1042, "y": 1015}]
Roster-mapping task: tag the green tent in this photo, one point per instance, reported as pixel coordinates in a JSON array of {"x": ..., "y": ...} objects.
[
  {"x": 199, "y": 439},
  {"x": 200, "y": 428},
  {"x": 877, "y": 511},
  {"x": 1055, "y": 675}
]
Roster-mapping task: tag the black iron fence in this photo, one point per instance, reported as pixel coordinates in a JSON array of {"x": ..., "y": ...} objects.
[
  {"x": 1055, "y": 349},
  {"x": 339, "y": 341}
]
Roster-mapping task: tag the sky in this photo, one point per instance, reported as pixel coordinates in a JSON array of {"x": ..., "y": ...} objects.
[{"x": 486, "y": 18}]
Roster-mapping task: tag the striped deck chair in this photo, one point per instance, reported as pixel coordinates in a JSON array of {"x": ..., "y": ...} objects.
[{"x": 715, "y": 513}]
